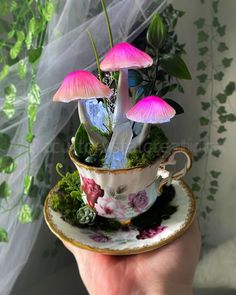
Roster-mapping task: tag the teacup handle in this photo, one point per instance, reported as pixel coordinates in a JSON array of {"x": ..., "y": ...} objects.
[{"x": 170, "y": 160}]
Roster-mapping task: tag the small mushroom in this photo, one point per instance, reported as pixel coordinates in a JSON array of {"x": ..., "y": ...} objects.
[
  {"x": 82, "y": 85},
  {"x": 121, "y": 57},
  {"x": 149, "y": 110}
]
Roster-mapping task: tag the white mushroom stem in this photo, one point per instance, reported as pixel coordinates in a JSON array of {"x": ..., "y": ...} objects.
[
  {"x": 94, "y": 137},
  {"x": 122, "y": 101},
  {"x": 138, "y": 140}
]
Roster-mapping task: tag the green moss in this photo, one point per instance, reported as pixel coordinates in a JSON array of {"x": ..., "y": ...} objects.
[
  {"x": 153, "y": 148},
  {"x": 68, "y": 199}
]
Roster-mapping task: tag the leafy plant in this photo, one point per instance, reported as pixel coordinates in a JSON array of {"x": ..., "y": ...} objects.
[
  {"x": 22, "y": 35},
  {"x": 216, "y": 113},
  {"x": 161, "y": 42}
]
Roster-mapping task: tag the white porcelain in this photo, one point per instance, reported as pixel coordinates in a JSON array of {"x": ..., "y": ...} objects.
[
  {"x": 125, "y": 193},
  {"x": 130, "y": 240}
]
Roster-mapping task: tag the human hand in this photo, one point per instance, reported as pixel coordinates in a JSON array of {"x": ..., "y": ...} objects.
[{"x": 165, "y": 271}]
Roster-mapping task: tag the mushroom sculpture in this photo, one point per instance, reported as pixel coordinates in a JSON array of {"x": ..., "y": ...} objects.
[
  {"x": 81, "y": 85},
  {"x": 122, "y": 57},
  {"x": 149, "y": 110}
]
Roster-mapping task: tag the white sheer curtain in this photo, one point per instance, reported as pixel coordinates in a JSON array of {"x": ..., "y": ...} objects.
[{"x": 68, "y": 48}]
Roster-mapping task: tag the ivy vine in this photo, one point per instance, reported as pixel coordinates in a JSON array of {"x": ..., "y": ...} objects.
[
  {"x": 216, "y": 113},
  {"x": 23, "y": 26}
]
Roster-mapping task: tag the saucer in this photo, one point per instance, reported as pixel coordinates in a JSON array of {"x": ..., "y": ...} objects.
[{"x": 130, "y": 239}]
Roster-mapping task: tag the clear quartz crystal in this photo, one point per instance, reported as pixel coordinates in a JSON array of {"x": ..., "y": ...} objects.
[
  {"x": 98, "y": 114},
  {"x": 117, "y": 149}
]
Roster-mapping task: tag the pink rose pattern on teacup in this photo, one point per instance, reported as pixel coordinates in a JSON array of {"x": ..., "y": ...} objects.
[
  {"x": 92, "y": 190},
  {"x": 110, "y": 207},
  {"x": 138, "y": 201}
]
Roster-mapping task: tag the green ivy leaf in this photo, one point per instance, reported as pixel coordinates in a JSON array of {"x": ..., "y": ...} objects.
[
  {"x": 34, "y": 95},
  {"x": 82, "y": 142},
  {"x": 28, "y": 181},
  {"x": 10, "y": 96},
  {"x": 3, "y": 235},
  {"x": 201, "y": 66},
  {"x": 203, "y": 134},
  {"x": 221, "y": 110},
  {"x": 22, "y": 69},
  {"x": 48, "y": 10},
  {"x": 208, "y": 209},
  {"x": 202, "y": 36},
  {"x": 201, "y": 145},
  {"x": 231, "y": 117},
  {"x": 175, "y": 66},
  {"x": 4, "y": 72},
  {"x": 204, "y": 121},
  {"x": 32, "y": 115},
  {"x": 222, "y": 47},
  {"x": 5, "y": 190},
  {"x": 215, "y": 22},
  {"x": 230, "y": 88},
  {"x": 134, "y": 78},
  {"x": 196, "y": 178},
  {"x": 219, "y": 76},
  {"x": 177, "y": 107},
  {"x": 15, "y": 50},
  {"x": 201, "y": 90},
  {"x": 215, "y": 174},
  {"x": 216, "y": 153},
  {"x": 7, "y": 165},
  {"x": 199, "y": 155},
  {"x": 214, "y": 183},
  {"x": 227, "y": 62},
  {"x": 34, "y": 54},
  {"x": 196, "y": 187},
  {"x": 156, "y": 33},
  {"x": 28, "y": 40},
  {"x": 221, "y": 129},
  {"x": 203, "y": 50},
  {"x": 210, "y": 198},
  {"x": 215, "y": 5},
  {"x": 221, "y": 140},
  {"x": 221, "y": 30},
  {"x": 223, "y": 119},
  {"x": 5, "y": 142},
  {"x": 200, "y": 23},
  {"x": 205, "y": 105},
  {"x": 213, "y": 191},
  {"x": 221, "y": 97},
  {"x": 25, "y": 214},
  {"x": 202, "y": 78}
]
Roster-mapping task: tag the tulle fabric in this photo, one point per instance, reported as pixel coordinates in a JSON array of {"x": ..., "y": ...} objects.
[{"x": 68, "y": 48}]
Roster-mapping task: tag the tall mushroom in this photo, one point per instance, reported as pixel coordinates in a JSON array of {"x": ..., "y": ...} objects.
[
  {"x": 149, "y": 110},
  {"x": 122, "y": 57},
  {"x": 81, "y": 85}
]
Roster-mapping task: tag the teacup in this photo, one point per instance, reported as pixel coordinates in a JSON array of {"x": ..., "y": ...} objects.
[{"x": 123, "y": 194}]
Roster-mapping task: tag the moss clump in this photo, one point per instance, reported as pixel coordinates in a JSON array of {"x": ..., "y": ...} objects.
[
  {"x": 95, "y": 156},
  {"x": 67, "y": 199},
  {"x": 153, "y": 148}
]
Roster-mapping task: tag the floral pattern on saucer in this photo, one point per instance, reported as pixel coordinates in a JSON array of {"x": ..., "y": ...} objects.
[{"x": 129, "y": 239}]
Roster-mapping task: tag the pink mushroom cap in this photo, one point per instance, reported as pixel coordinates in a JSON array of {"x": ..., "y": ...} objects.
[
  {"x": 151, "y": 109},
  {"x": 81, "y": 84},
  {"x": 125, "y": 56}
]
